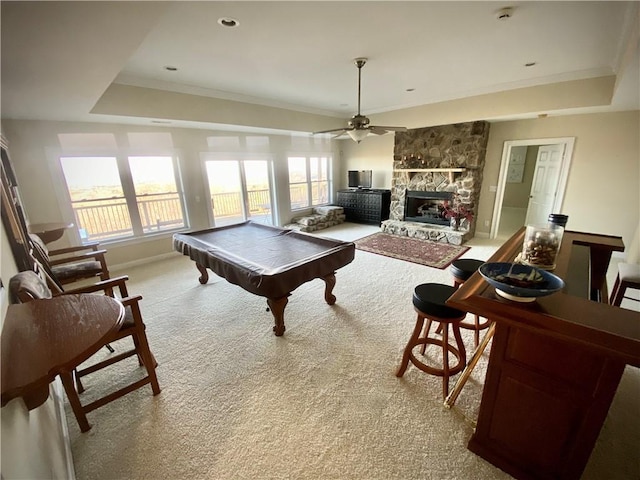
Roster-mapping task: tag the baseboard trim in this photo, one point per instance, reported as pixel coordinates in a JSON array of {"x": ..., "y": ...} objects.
[
  {"x": 142, "y": 261},
  {"x": 56, "y": 390}
]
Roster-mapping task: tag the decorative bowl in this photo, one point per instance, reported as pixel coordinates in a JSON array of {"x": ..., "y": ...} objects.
[{"x": 520, "y": 283}]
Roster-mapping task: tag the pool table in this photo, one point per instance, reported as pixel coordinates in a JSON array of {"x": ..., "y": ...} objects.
[{"x": 266, "y": 261}]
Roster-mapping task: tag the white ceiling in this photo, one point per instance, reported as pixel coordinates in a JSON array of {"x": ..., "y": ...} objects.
[{"x": 58, "y": 58}]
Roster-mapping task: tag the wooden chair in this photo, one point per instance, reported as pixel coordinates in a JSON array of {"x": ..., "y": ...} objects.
[
  {"x": 63, "y": 266},
  {"x": 71, "y": 264},
  {"x": 28, "y": 285}
]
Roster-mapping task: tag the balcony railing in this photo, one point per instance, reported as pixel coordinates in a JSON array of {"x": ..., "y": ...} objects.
[
  {"x": 104, "y": 219},
  {"x": 300, "y": 198},
  {"x": 230, "y": 204},
  {"x": 227, "y": 207},
  {"x": 160, "y": 211}
]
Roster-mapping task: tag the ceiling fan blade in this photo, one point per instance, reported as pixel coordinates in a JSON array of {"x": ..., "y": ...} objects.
[
  {"x": 390, "y": 129},
  {"x": 331, "y": 131}
]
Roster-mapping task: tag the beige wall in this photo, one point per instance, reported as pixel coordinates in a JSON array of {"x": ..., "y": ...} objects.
[
  {"x": 131, "y": 101},
  {"x": 374, "y": 153},
  {"x": 603, "y": 187},
  {"x": 602, "y": 191},
  {"x": 35, "y": 149},
  {"x": 591, "y": 92},
  {"x": 604, "y": 180}
]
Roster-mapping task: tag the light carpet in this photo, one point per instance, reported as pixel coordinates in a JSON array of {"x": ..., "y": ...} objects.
[{"x": 320, "y": 402}]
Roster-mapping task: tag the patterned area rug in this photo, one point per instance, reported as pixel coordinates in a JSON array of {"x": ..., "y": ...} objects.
[{"x": 425, "y": 252}]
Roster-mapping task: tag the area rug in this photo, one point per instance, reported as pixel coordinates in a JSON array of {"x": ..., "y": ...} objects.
[{"x": 425, "y": 252}]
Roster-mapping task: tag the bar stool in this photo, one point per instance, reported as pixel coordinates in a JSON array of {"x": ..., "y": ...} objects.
[
  {"x": 628, "y": 277},
  {"x": 462, "y": 269},
  {"x": 429, "y": 302}
]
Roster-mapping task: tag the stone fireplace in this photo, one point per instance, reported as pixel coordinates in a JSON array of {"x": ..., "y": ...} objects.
[{"x": 445, "y": 163}]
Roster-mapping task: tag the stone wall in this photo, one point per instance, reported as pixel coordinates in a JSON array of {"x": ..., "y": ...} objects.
[{"x": 456, "y": 146}]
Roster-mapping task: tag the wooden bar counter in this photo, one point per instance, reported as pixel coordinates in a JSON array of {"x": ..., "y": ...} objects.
[{"x": 555, "y": 363}]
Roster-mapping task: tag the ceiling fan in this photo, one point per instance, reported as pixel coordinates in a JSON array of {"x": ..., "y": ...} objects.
[{"x": 358, "y": 126}]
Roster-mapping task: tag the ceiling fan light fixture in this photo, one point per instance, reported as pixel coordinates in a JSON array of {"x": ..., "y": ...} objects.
[
  {"x": 357, "y": 135},
  {"x": 359, "y": 127}
]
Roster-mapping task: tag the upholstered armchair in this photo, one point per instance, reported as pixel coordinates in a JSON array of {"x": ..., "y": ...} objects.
[{"x": 71, "y": 264}]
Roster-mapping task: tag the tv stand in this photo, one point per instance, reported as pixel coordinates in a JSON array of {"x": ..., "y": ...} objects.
[{"x": 362, "y": 205}]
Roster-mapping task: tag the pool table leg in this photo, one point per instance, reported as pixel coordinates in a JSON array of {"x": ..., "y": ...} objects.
[
  {"x": 330, "y": 282},
  {"x": 204, "y": 275},
  {"x": 277, "y": 310}
]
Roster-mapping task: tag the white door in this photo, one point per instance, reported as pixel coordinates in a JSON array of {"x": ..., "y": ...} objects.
[{"x": 545, "y": 183}]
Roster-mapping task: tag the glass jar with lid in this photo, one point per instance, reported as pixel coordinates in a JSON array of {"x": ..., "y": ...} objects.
[{"x": 541, "y": 245}]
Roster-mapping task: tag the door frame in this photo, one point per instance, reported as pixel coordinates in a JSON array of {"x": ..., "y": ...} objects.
[{"x": 568, "y": 143}]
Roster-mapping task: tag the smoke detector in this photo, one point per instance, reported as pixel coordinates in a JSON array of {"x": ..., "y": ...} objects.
[{"x": 505, "y": 13}]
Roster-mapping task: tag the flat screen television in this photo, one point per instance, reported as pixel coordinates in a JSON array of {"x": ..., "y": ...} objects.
[{"x": 360, "y": 178}]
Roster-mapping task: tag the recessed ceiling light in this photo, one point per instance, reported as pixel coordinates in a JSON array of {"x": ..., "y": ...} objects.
[
  {"x": 228, "y": 22},
  {"x": 170, "y": 68},
  {"x": 529, "y": 64}
]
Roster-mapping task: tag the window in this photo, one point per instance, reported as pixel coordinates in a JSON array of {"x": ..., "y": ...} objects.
[
  {"x": 319, "y": 180},
  {"x": 308, "y": 181},
  {"x": 118, "y": 198},
  {"x": 97, "y": 197},
  {"x": 157, "y": 194},
  {"x": 239, "y": 190},
  {"x": 298, "y": 187}
]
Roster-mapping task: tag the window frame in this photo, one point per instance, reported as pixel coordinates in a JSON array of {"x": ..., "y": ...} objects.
[
  {"x": 309, "y": 182},
  {"x": 128, "y": 187},
  {"x": 241, "y": 158},
  {"x": 179, "y": 192}
]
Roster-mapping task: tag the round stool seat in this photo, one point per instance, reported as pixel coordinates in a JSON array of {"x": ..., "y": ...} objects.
[
  {"x": 430, "y": 299},
  {"x": 463, "y": 268}
]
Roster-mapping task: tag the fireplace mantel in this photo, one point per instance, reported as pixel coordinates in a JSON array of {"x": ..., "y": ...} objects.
[
  {"x": 429, "y": 169},
  {"x": 413, "y": 171}
]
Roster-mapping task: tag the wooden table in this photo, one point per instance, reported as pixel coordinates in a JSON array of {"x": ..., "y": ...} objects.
[
  {"x": 266, "y": 261},
  {"x": 49, "y": 232},
  {"x": 555, "y": 364},
  {"x": 49, "y": 337}
]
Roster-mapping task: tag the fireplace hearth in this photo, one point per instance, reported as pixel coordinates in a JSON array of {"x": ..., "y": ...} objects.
[{"x": 426, "y": 207}]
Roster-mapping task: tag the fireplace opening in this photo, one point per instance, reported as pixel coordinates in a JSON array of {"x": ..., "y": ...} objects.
[{"x": 426, "y": 207}]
